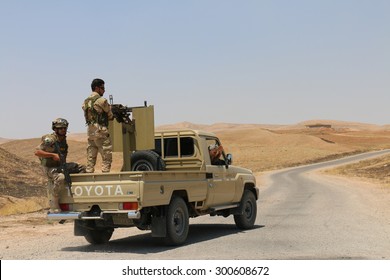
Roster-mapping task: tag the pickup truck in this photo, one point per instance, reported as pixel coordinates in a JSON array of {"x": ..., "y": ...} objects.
[{"x": 165, "y": 187}]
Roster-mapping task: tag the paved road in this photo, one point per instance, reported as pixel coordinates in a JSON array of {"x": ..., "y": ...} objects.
[
  {"x": 312, "y": 218},
  {"x": 301, "y": 216}
]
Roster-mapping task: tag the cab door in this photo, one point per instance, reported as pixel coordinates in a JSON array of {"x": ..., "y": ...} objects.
[{"x": 221, "y": 186}]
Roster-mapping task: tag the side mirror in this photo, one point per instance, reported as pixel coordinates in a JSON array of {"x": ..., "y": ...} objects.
[{"x": 229, "y": 159}]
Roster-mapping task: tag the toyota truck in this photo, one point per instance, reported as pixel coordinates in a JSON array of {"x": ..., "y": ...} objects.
[{"x": 165, "y": 180}]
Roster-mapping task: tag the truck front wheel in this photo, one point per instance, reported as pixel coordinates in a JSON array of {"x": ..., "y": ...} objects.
[
  {"x": 247, "y": 219},
  {"x": 177, "y": 222},
  {"x": 98, "y": 236}
]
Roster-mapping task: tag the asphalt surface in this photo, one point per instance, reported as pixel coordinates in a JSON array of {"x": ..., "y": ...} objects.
[{"x": 313, "y": 217}]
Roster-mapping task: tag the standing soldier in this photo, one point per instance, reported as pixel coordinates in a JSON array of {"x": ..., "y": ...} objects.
[
  {"x": 52, "y": 152},
  {"x": 97, "y": 113}
]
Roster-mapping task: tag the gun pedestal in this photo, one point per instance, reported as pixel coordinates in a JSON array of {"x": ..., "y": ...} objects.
[
  {"x": 137, "y": 134},
  {"x": 128, "y": 139}
]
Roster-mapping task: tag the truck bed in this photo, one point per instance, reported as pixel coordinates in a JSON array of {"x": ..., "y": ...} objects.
[{"x": 148, "y": 188}]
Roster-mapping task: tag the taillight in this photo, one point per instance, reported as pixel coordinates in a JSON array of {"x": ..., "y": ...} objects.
[
  {"x": 66, "y": 206},
  {"x": 130, "y": 205}
]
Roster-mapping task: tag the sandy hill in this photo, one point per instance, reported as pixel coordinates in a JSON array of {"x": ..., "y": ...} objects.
[
  {"x": 4, "y": 140},
  {"x": 216, "y": 127},
  {"x": 338, "y": 125},
  {"x": 263, "y": 147},
  {"x": 20, "y": 177},
  {"x": 80, "y": 137}
]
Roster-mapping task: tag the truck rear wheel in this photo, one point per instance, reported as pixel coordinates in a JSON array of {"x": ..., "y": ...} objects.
[
  {"x": 247, "y": 219},
  {"x": 177, "y": 222},
  {"x": 98, "y": 236},
  {"x": 146, "y": 161}
]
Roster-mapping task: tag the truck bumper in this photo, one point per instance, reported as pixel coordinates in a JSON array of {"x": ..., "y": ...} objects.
[{"x": 133, "y": 214}]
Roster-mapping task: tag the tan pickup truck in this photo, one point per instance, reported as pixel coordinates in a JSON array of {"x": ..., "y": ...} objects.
[{"x": 164, "y": 188}]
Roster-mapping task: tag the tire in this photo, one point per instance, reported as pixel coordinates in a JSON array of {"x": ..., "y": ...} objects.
[
  {"x": 177, "y": 222},
  {"x": 146, "y": 161},
  {"x": 98, "y": 236},
  {"x": 247, "y": 219}
]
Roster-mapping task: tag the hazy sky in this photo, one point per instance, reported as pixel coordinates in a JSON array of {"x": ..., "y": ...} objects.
[{"x": 264, "y": 62}]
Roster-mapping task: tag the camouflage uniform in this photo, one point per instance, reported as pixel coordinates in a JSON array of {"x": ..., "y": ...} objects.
[
  {"x": 50, "y": 166},
  {"x": 97, "y": 112}
]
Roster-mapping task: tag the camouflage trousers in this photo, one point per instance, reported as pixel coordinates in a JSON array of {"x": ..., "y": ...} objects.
[
  {"x": 100, "y": 145},
  {"x": 56, "y": 181}
]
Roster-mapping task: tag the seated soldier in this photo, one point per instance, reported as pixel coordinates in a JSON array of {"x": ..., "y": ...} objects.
[
  {"x": 215, "y": 152},
  {"x": 52, "y": 153}
]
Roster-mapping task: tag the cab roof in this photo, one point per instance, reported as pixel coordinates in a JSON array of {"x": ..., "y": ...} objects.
[{"x": 184, "y": 132}]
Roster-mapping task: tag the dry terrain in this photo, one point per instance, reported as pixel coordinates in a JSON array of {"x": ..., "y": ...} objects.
[{"x": 257, "y": 147}]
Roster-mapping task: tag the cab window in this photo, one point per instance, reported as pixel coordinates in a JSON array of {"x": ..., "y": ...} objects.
[{"x": 171, "y": 147}]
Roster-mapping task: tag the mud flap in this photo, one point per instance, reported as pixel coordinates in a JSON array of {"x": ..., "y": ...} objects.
[
  {"x": 159, "y": 226},
  {"x": 80, "y": 228}
]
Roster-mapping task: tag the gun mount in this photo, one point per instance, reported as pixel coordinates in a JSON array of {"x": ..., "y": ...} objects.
[{"x": 131, "y": 130}]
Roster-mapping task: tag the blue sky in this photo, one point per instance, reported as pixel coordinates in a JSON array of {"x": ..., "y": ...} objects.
[{"x": 263, "y": 62}]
